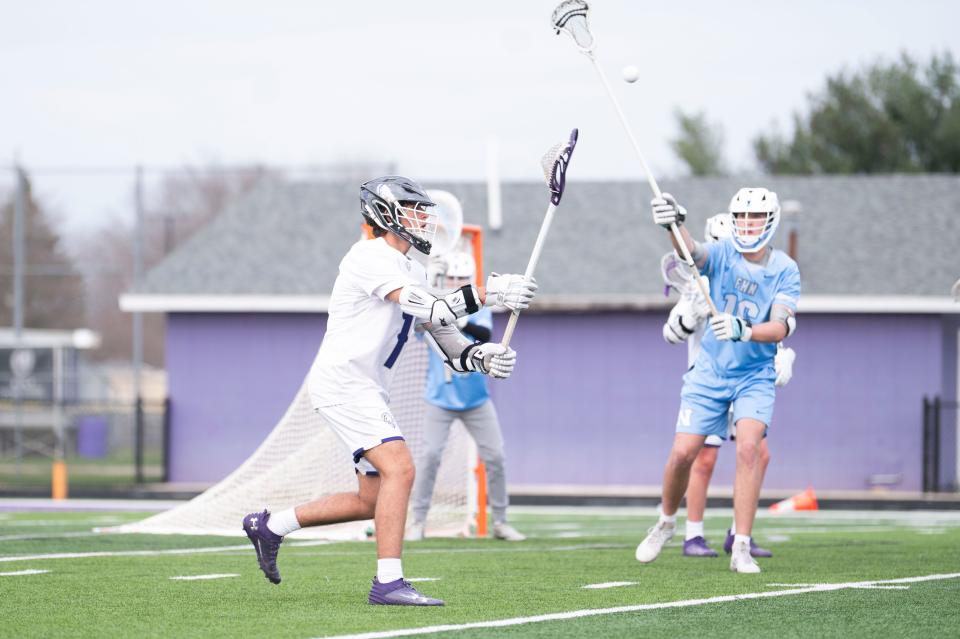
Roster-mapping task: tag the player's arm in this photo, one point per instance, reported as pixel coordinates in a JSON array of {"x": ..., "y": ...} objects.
[
  {"x": 666, "y": 211},
  {"x": 782, "y": 323},
  {"x": 514, "y": 292},
  {"x": 463, "y": 355}
]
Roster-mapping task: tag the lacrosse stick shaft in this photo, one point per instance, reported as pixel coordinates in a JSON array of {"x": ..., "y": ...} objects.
[
  {"x": 531, "y": 267},
  {"x": 685, "y": 252}
]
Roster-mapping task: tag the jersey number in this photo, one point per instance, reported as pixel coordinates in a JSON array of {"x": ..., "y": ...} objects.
[
  {"x": 401, "y": 340},
  {"x": 746, "y": 309}
]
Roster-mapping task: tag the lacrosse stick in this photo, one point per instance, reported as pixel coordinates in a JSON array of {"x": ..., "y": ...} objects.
[
  {"x": 571, "y": 17},
  {"x": 955, "y": 291},
  {"x": 554, "y": 164}
]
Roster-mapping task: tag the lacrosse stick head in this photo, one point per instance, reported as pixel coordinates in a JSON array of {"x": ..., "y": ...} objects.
[
  {"x": 554, "y": 165},
  {"x": 676, "y": 274},
  {"x": 571, "y": 17}
]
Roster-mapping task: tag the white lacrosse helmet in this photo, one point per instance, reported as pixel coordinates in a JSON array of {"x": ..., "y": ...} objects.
[
  {"x": 749, "y": 235},
  {"x": 719, "y": 227},
  {"x": 460, "y": 266}
]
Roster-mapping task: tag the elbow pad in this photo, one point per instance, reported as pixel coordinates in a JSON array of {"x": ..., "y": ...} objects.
[
  {"x": 785, "y": 315},
  {"x": 442, "y": 311}
]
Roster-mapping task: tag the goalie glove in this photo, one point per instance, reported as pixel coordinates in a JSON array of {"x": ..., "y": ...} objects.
[
  {"x": 666, "y": 211},
  {"x": 515, "y": 292},
  {"x": 729, "y": 327},
  {"x": 493, "y": 359},
  {"x": 783, "y": 364}
]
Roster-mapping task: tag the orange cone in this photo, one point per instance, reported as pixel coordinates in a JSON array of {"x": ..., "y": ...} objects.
[{"x": 806, "y": 500}]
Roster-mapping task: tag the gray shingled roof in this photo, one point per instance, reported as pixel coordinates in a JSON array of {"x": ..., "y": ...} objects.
[{"x": 867, "y": 235}]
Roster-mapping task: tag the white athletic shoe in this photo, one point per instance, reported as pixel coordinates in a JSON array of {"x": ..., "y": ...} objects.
[
  {"x": 740, "y": 559},
  {"x": 653, "y": 543},
  {"x": 414, "y": 531},
  {"x": 503, "y": 530}
]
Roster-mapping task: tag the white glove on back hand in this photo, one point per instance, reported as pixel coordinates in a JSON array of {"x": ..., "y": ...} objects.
[
  {"x": 783, "y": 364},
  {"x": 666, "y": 211},
  {"x": 728, "y": 327},
  {"x": 495, "y": 360},
  {"x": 515, "y": 292},
  {"x": 436, "y": 269}
]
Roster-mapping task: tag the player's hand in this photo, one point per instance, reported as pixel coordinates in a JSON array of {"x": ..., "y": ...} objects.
[
  {"x": 783, "y": 364},
  {"x": 515, "y": 292},
  {"x": 495, "y": 360},
  {"x": 729, "y": 327},
  {"x": 701, "y": 308},
  {"x": 666, "y": 211}
]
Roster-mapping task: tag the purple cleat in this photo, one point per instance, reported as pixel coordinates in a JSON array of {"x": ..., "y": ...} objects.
[
  {"x": 697, "y": 547},
  {"x": 399, "y": 593},
  {"x": 265, "y": 542},
  {"x": 755, "y": 550}
]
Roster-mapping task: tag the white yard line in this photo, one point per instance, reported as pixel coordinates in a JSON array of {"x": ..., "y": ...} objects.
[
  {"x": 141, "y": 553},
  {"x": 203, "y": 577},
  {"x": 23, "y": 572},
  {"x": 684, "y": 603},
  {"x": 609, "y": 584}
]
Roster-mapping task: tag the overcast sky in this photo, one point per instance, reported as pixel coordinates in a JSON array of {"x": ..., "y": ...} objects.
[{"x": 421, "y": 83}]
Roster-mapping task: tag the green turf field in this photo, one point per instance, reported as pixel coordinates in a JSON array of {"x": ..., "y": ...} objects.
[{"x": 820, "y": 582}]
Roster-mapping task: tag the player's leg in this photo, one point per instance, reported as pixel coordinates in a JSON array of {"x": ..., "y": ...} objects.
[
  {"x": 695, "y": 543},
  {"x": 703, "y": 411},
  {"x": 747, "y": 482},
  {"x": 436, "y": 430},
  {"x": 755, "y": 550},
  {"x": 394, "y": 464},
  {"x": 484, "y": 426}
]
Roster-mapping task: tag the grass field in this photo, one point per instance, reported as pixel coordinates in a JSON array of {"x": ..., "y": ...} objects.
[{"x": 822, "y": 581}]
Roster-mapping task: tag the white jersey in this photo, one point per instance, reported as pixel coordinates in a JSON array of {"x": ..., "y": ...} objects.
[
  {"x": 693, "y": 343},
  {"x": 365, "y": 333}
]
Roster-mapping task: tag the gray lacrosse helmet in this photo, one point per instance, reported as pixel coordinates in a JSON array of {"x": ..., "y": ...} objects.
[{"x": 386, "y": 202}]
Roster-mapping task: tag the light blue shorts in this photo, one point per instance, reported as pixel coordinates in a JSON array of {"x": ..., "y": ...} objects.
[{"x": 706, "y": 399}]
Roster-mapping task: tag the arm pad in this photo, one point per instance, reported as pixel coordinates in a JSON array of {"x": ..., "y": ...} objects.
[
  {"x": 453, "y": 347},
  {"x": 781, "y": 313},
  {"x": 442, "y": 311}
]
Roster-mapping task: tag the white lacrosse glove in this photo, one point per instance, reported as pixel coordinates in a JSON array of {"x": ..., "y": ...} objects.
[
  {"x": 729, "y": 327},
  {"x": 783, "y": 364},
  {"x": 666, "y": 211},
  {"x": 515, "y": 292},
  {"x": 700, "y": 306},
  {"x": 462, "y": 322},
  {"x": 495, "y": 360}
]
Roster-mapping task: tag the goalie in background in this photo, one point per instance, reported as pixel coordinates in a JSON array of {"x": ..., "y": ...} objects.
[
  {"x": 452, "y": 396},
  {"x": 757, "y": 289},
  {"x": 379, "y": 294},
  {"x": 686, "y": 323}
]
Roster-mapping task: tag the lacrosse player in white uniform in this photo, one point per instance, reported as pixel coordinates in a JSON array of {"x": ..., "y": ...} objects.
[
  {"x": 378, "y": 296},
  {"x": 686, "y": 323}
]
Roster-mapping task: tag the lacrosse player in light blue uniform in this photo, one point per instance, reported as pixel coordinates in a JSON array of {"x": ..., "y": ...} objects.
[
  {"x": 756, "y": 289},
  {"x": 686, "y": 324}
]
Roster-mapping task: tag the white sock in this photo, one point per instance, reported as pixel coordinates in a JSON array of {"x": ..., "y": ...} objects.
[
  {"x": 733, "y": 526},
  {"x": 738, "y": 538},
  {"x": 694, "y": 529},
  {"x": 283, "y": 522},
  {"x": 668, "y": 519},
  {"x": 389, "y": 570}
]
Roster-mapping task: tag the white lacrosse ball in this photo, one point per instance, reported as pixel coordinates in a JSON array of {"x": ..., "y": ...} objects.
[{"x": 630, "y": 73}]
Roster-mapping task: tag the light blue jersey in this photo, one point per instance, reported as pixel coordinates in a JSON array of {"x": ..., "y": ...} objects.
[
  {"x": 458, "y": 391},
  {"x": 746, "y": 290}
]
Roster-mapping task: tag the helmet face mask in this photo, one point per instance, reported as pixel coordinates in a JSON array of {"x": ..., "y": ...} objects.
[
  {"x": 755, "y": 214},
  {"x": 402, "y": 207}
]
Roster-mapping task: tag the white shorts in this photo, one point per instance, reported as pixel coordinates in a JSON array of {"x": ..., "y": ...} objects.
[{"x": 362, "y": 427}]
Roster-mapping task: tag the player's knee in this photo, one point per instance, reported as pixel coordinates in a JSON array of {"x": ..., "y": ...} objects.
[
  {"x": 764, "y": 456},
  {"x": 748, "y": 453},
  {"x": 399, "y": 470},
  {"x": 494, "y": 460},
  {"x": 682, "y": 457},
  {"x": 704, "y": 466}
]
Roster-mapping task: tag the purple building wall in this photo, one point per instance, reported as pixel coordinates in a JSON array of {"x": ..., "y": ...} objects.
[{"x": 594, "y": 397}]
